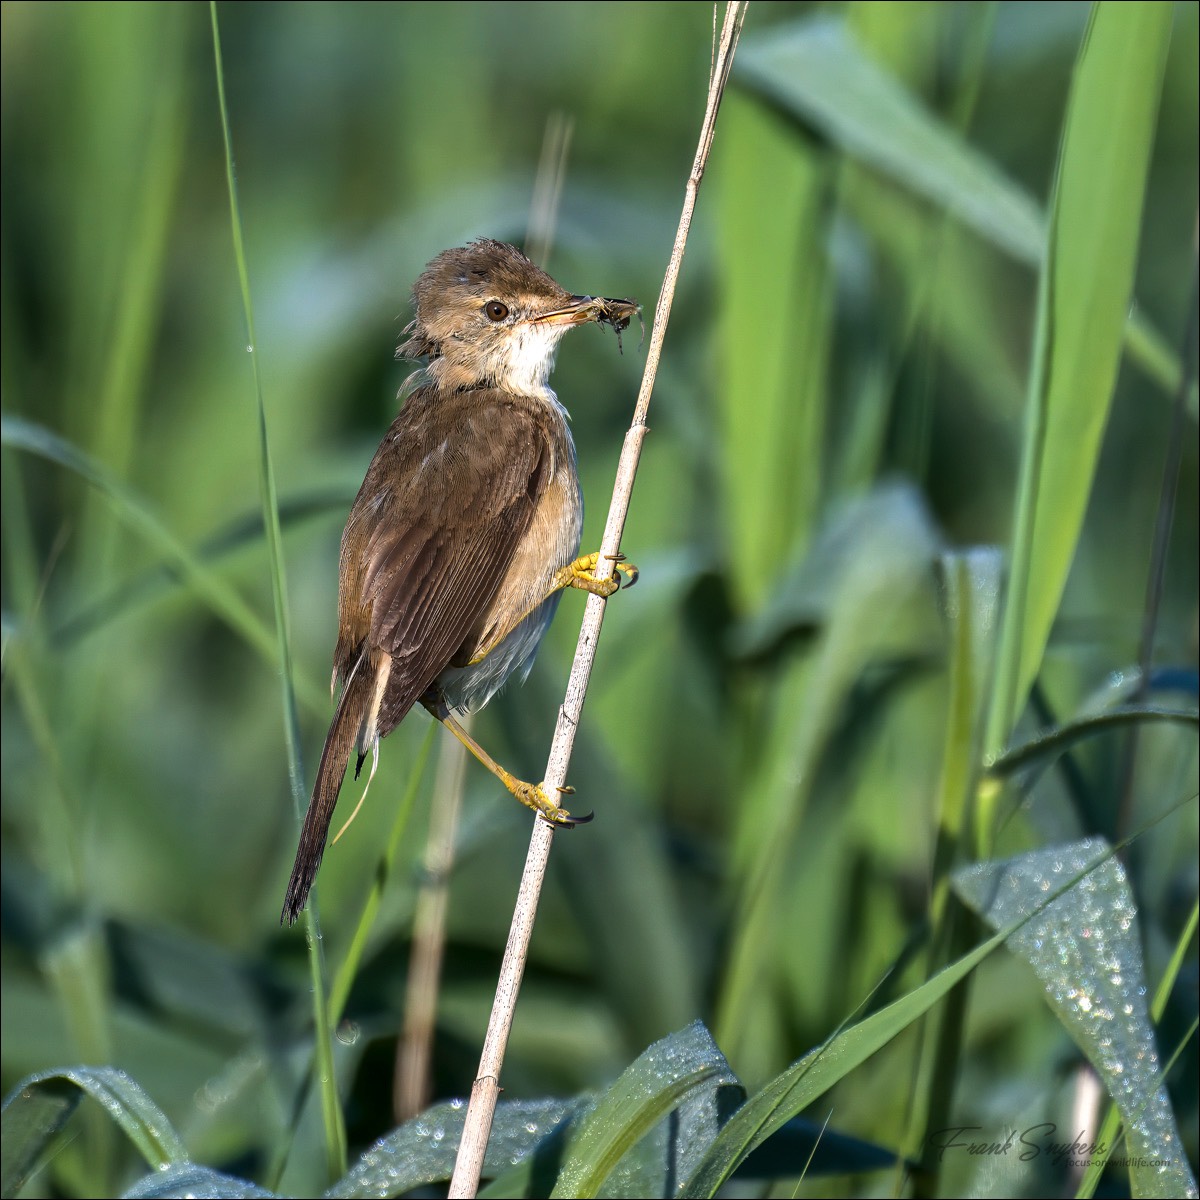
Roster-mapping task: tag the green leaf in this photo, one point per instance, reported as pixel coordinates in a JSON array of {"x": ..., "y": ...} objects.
[
  {"x": 815, "y": 70},
  {"x": 127, "y": 506},
  {"x": 1041, "y": 751},
  {"x": 324, "y": 1076},
  {"x": 803, "y": 1082},
  {"x": 32, "y": 1118},
  {"x": 422, "y": 1151},
  {"x": 1084, "y": 295},
  {"x": 187, "y": 1181},
  {"x": 775, "y": 335},
  {"x": 869, "y": 552},
  {"x": 867, "y": 586},
  {"x": 140, "y": 1118},
  {"x": 972, "y": 586},
  {"x": 680, "y": 1066},
  {"x": 1084, "y": 947}
]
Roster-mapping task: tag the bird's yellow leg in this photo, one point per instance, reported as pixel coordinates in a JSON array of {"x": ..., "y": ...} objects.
[
  {"x": 532, "y": 795},
  {"x": 579, "y": 574},
  {"x": 582, "y": 574}
]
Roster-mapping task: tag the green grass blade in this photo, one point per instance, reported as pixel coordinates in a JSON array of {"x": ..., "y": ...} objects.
[
  {"x": 147, "y": 586},
  {"x": 1083, "y": 302},
  {"x": 866, "y": 583},
  {"x": 789, "y": 1093},
  {"x": 19, "y": 434},
  {"x": 802, "y": 1083},
  {"x": 775, "y": 334},
  {"x": 971, "y": 591},
  {"x": 814, "y": 70},
  {"x": 334, "y": 1120},
  {"x": 1046, "y": 747}
]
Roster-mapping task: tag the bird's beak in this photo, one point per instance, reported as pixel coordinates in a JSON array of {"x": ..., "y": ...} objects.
[
  {"x": 578, "y": 311},
  {"x": 581, "y": 309}
]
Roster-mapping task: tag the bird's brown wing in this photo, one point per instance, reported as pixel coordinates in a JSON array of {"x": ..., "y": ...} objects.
[
  {"x": 447, "y": 500},
  {"x": 459, "y": 494}
]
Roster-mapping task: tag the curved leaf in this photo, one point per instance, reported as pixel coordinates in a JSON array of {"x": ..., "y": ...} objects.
[
  {"x": 422, "y": 1151},
  {"x": 187, "y": 1181},
  {"x": 32, "y": 1118},
  {"x": 141, "y": 1119},
  {"x": 1084, "y": 294},
  {"x": 681, "y": 1065},
  {"x": 1044, "y": 749},
  {"x": 1085, "y": 948}
]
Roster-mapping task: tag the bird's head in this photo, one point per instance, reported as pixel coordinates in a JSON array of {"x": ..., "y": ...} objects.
[{"x": 489, "y": 317}]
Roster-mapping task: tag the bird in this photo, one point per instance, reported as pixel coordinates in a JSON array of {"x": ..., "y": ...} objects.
[{"x": 467, "y": 526}]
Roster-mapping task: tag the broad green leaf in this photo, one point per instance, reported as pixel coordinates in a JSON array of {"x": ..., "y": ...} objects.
[
  {"x": 1084, "y": 296},
  {"x": 1109, "y": 1138},
  {"x": 869, "y": 552},
  {"x": 658, "y": 1082},
  {"x": 774, "y": 334},
  {"x": 659, "y": 1162},
  {"x": 137, "y": 1115},
  {"x": 187, "y": 1181},
  {"x": 1085, "y": 948},
  {"x": 422, "y": 1151}
]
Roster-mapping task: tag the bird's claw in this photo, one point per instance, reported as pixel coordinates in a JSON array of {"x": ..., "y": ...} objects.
[{"x": 565, "y": 820}]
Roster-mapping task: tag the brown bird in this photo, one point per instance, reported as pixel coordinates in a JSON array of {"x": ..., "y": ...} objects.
[{"x": 467, "y": 526}]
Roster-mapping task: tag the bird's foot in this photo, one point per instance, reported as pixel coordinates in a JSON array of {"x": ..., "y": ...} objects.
[
  {"x": 533, "y": 795},
  {"x": 582, "y": 574}
]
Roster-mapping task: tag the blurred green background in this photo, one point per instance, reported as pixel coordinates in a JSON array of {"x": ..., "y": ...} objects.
[{"x": 840, "y": 400}]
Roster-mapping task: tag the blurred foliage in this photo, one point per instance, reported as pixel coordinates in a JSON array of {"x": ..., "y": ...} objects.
[{"x": 791, "y": 710}]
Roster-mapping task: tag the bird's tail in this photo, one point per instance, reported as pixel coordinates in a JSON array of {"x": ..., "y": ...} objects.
[{"x": 352, "y": 710}]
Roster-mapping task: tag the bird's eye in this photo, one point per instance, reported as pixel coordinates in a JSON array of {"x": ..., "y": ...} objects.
[{"x": 495, "y": 311}]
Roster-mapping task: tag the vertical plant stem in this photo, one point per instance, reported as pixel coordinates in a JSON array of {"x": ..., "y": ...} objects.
[
  {"x": 485, "y": 1091},
  {"x": 335, "y": 1129},
  {"x": 414, "y": 1053}
]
